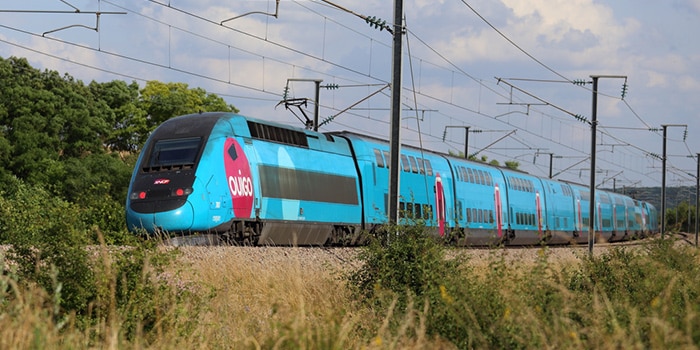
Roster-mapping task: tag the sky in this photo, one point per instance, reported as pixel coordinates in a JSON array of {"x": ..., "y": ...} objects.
[{"x": 515, "y": 73}]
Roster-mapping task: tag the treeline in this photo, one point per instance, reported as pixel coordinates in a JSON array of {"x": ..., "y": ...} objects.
[{"x": 73, "y": 145}]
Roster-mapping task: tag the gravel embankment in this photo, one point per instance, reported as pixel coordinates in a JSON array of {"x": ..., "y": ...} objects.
[{"x": 316, "y": 257}]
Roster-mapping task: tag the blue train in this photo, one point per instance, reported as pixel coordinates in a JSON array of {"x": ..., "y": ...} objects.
[{"x": 248, "y": 181}]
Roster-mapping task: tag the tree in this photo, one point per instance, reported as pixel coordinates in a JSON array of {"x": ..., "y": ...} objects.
[
  {"x": 128, "y": 124},
  {"x": 162, "y": 101},
  {"x": 511, "y": 164}
]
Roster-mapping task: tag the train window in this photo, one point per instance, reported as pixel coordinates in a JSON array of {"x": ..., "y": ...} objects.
[
  {"x": 474, "y": 217},
  {"x": 489, "y": 180},
  {"x": 463, "y": 173},
  {"x": 482, "y": 180},
  {"x": 417, "y": 211},
  {"x": 414, "y": 165},
  {"x": 566, "y": 190},
  {"x": 387, "y": 159},
  {"x": 402, "y": 209},
  {"x": 585, "y": 196},
  {"x": 175, "y": 152},
  {"x": 277, "y": 134},
  {"x": 460, "y": 213},
  {"x": 471, "y": 174},
  {"x": 404, "y": 163},
  {"x": 409, "y": 210},
  {"x": 421, "y": 167},
  {"x": 491, "y": 220},
  {"x": 378, "y": 156},
  {"x": 428, "y": 168},
  {"x": 607, "y": 223}
]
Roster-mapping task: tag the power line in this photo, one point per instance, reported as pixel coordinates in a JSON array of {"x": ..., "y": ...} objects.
[{"x": 514, "y": 44}]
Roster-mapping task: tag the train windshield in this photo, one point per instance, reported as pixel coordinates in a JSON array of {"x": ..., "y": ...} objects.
[{"x": 175, "y": 152}]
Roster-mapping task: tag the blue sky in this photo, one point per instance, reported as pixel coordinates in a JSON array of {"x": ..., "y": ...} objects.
[{"x": 458, "y": 49}]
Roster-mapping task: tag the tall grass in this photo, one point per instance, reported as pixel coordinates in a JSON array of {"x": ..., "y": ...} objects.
[{"x": 412, "y": 293}]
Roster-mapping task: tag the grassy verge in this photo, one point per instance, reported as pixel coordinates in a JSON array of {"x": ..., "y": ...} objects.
[{"x": 404, "y": 294}]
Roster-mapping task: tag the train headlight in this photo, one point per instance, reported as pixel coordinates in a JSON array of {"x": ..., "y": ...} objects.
[
  {"x": 138, "y": 195},
  {"x": 180, "y": 192}
]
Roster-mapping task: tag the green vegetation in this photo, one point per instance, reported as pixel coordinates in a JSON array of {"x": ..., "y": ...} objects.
[
  {"x": 76, "y": 144},
  {"x": 510, "y": 164},
  {"x": 412, "y": 293},
  {"x": 625, "y": 298}
]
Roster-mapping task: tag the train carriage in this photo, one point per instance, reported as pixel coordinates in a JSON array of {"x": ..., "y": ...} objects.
[
  {"x": 582, "y": 202},
  {"x": 652, "y": 218},
  {"x": 604, "y": 217},
  {"x": 619, "y": 217},
  {"x": 559, "y": 203},
  {"x": 251, "y": 181},
  {"x": 480, "y": 203},
  {"x": 426, "y": 185},
  {"x": 526, "y": 208}
]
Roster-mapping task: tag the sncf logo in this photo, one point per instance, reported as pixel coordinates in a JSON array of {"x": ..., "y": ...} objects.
[{"x": 161, "y": 182}]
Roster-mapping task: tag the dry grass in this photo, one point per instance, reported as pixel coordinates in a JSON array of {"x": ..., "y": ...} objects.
[{"x": 297, "y": 298}]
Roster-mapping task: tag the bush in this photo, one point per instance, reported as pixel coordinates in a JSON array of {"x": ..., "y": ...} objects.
[
  {"x": 48, "y": 239},
  {"x": 91, "y": 285},
  {"x": 404, "y": 265}
]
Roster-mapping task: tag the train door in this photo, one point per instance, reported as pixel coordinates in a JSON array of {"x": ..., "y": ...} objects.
[
  {"x": 440, "y": 204},
  {"x": 579, "y": 235},
  {"x": 253, "y": 161}
]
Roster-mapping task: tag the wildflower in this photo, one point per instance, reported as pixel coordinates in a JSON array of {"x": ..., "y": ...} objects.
[
  {"x": 445, "y": 296},
  {"x": 655, "y": 302}
]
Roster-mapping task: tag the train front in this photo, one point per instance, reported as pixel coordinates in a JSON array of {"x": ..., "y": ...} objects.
[{"x": 164, "y": 190}]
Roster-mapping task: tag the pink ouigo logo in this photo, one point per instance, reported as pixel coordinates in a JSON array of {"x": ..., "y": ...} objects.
[{"x": 238, "y": 178}]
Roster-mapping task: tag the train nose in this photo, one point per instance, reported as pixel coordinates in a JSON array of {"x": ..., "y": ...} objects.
[{"x": 180, "y": 219}]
